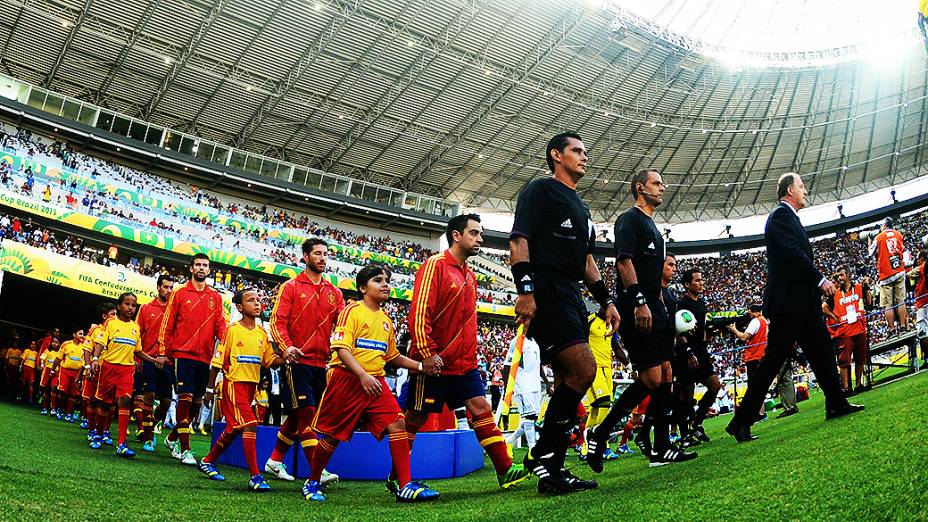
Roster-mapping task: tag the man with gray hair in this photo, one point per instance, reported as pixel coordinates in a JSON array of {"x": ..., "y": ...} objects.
[{"x": 792, "y": 302}]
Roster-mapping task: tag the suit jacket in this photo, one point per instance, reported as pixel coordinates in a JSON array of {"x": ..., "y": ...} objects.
[{"x": 792, "y": 278}]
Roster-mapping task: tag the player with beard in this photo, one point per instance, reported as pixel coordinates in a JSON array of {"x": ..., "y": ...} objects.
[
  {"x": 640, "y": 255},
  {"x": 443, "y": 326},
  {"x": 693, "y": 364},
  {"x": 551, "y": 245},
  {"x": 151, "y": 380},
  {"x": 303, "y": 317},
  {"x": 194, "y": 320}
]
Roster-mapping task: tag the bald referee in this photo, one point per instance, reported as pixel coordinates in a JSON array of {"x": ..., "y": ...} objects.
[
  {"x": 640, "y": 255},
  {"x": 792, "y": 302},
  {"x": 551, "y": 245}
]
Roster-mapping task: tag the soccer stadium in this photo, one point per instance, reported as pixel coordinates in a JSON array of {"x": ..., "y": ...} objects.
[{"x": 513, "y": 260}]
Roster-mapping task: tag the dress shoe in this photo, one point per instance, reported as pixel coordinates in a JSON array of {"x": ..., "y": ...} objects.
[
  {"x": 740, "y": 432},
  {"x": 787, "y": 412},
  {"x": 842, "y": 411}
]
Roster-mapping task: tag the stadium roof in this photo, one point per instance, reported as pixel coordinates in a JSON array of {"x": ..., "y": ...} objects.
[{"x": 457, "y": 98}]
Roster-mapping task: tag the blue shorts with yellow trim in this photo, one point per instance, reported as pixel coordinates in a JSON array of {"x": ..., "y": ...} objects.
[
  {"x": 301, "y": 386},
  {"x": 191, "y": 376},
  {"x": 429, "y": 393}
]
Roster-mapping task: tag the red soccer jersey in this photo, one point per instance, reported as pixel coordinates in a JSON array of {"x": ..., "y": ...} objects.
[
  {"x": 303, "y": 316},
  {"x": 443, "y": 314},
  {"x": 193, "y": 322},
  {"x": 149, "y": 319},
  {"x": 43, "y": 345}
]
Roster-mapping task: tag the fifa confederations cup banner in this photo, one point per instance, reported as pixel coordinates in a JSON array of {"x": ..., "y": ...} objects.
[
  {"x": 186, "y": 248},
  {"x": 43, "y": 265},
  {"x": 86, "y": 183}
]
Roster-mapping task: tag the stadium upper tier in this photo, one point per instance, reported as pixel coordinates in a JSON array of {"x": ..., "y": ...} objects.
[{"x": 219, "y": 154}]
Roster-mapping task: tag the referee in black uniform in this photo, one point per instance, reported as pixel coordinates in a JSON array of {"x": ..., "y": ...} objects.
[
  {"x": 640, "y": 254},
  {"x": 693, "y": 364},
  {"x": 551, "y": 245}
]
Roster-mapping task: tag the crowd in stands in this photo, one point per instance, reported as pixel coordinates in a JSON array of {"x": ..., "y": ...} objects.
[
  {"x": 253, "y": 243},
  {"x": 495, "y": 336}
]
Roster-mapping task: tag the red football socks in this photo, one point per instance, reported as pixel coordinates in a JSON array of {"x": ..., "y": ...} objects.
[
  {"x": 285, "y": 436},
  {"x": 323, "y": 453},
  {"x": 399, "y": 451},
  {"x": 123, "y": 424},
  {"x": 249, "y": 440},
  {"x": 492, "y": 441}
]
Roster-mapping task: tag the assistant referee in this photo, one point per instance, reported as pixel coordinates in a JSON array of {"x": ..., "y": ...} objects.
[
  {"x": 551, "y": 246},
  {"x": 640, "y": 255}
]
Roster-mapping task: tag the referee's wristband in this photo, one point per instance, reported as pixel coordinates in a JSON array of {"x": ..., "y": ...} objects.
[
  {"x": 635, "y": 291},
  {"x": 600, "y": 293},
  {"x": 523, "y": 277}
]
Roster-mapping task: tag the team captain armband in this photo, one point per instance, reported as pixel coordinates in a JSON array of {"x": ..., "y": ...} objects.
[
  {"x": 635, "y": 292},
  {"x": 600, "y": 293},
  {"x": 523, "y": 277}
]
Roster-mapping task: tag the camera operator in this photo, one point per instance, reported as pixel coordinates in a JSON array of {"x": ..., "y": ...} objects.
[
  {"x": 847, "y": 307},
  {"x": 755, "y": 336},
  {"x": 694, "y": 364},
  {"x": 888, "y": 247}
]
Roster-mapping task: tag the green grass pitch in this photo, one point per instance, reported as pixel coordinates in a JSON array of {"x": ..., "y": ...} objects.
[{"x": 869, "y": 466}]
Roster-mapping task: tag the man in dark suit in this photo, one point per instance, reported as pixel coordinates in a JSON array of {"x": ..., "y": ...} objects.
[{"x": 792, "y": 302}]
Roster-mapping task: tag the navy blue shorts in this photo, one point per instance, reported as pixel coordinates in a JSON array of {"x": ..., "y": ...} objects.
[
  {"x": 428, "y": 394},
  {"x": 301, "y": 386},
  {"x": 191, "y": 376},
  {"x": 152, "y": 379}
]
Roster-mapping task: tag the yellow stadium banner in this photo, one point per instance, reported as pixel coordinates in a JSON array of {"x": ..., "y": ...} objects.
[{"x": 49, "y": 267}]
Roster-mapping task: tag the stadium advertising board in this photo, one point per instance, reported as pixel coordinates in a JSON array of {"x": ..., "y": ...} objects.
[{"x": 57, "y": 269}]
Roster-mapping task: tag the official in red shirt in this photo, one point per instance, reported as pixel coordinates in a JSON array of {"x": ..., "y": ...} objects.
[
  {"x": 755, "y": 335},
  {"x": 151, "y": 381},
  {"x": 304, "y": 314},
  {"x": 194, "y": 321},
  {"x": 848, "y": 309},
  {"x": 443, "y": 328}
]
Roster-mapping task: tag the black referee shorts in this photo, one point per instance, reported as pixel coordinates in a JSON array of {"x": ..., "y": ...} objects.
[
  {"x": 560, "y": 319},
  {"x": 683, "y": 372},
  {"x": 645, "y": 350}
]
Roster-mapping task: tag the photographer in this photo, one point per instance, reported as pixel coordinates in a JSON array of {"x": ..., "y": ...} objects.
[
  {"x": 847, "y": 308},
  {"x": 888, "y": 247},
  {"x": 919, "y": 274},
  {"x": 694, "y": 365},
  {"x": 755, "y": 336}
]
